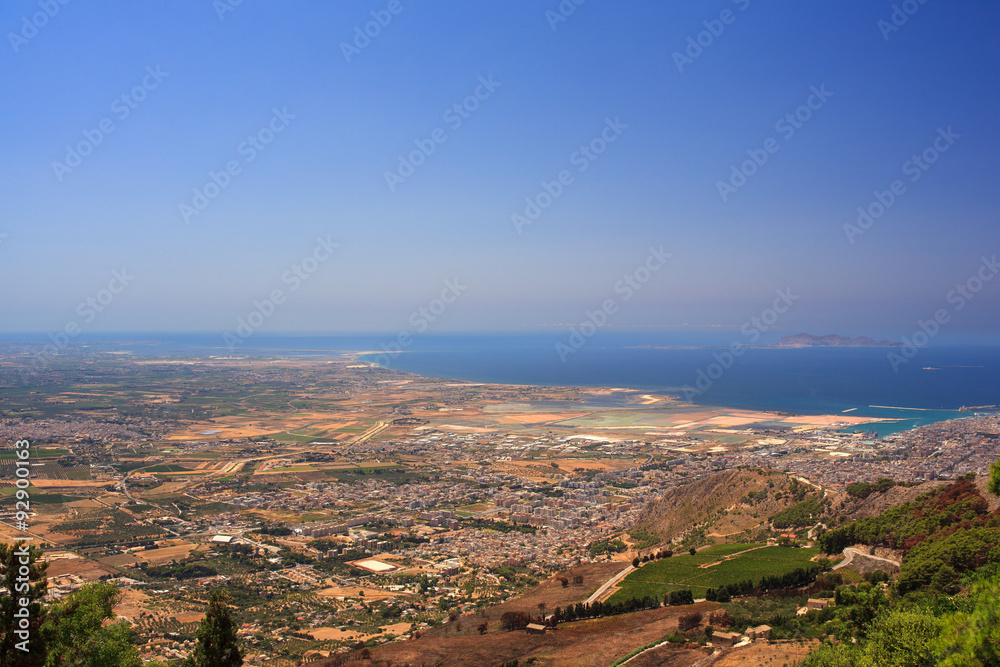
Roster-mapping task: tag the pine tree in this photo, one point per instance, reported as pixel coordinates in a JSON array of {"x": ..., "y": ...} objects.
[
  {"x": 217, "y": 643},
  {"x": 18, "y": 631}
]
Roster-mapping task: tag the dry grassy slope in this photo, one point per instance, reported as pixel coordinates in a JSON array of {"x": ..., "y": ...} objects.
[
  {"x": 680, "y": 509},
  {"x": 591, "y": 643},
  {"x": 877, "y": 503},
  {"x": 993, "y": 501}
]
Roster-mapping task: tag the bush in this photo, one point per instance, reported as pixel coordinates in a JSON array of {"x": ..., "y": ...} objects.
[
  {"x": 721, "y": 618},
  {"x": 689, "y": 621},
  {"x": 675, "y": 598},
  {"x": 805, "y": 513},
  {"x": 876, "y": 576},
  {"x": 514, "y": 620}
]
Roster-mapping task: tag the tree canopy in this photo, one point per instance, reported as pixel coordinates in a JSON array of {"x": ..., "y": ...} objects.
[
  {"x": 217, "y": 644},
  {"x": 76, "y": 634},
  {"x": 21, "y": 641}
]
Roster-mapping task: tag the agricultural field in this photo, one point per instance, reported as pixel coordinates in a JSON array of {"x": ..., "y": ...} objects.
[
  {"x": 711, "y": 568},
  {"x": 167, "y": 468}
]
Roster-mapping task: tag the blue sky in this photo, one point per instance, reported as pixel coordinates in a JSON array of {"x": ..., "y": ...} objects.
[{"x": 343, "y": 121}]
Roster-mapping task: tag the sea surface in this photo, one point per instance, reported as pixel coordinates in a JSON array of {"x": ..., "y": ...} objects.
[{"x": 930, "y": 386}]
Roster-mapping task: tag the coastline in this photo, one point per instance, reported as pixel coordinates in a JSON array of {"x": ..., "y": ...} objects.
[
  {"x": 831, "y": 387},
  {"x": 727, "y": 417},
  {"x": 814, "y": 381}
]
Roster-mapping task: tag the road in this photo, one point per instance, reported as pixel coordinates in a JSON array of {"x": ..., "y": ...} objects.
[
  {"x": 811, "y": 535},
  {"x": 850, "y": 552},
  {"x": 608, "y": 584}
]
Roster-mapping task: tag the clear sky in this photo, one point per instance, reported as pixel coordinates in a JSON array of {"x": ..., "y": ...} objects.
[{"x": 310, "y": 115}]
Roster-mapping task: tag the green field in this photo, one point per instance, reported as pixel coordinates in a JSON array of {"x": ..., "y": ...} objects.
[
  {"x": 683, "y": 571},
  {"x": 36, "y": 496},
  {"x": 41, "y": 453},
  {"x": 721, "y": 550},
  {"x": 388, "y": 473},
  {"x": 166, "y": 467}
]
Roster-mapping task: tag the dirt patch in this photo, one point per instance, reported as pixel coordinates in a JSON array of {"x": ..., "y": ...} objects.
[
  {"x": 166, "y": 554},
  {"x": 593, "y": 643},
  {"x": 668, "y": 656},
  {"x": 190, "y": 616},
  {"x": 369, "y": 593},
  {"x": 167, "y": 488},
  {"x": 397, "y": 628},
  {"x": 80, "y": 567},
  {"x": 333, "y": 634},
  {"x": 765, "y": 653},
  {"x": 134, "y": 603},
  {"x": 552, "y": 594}
]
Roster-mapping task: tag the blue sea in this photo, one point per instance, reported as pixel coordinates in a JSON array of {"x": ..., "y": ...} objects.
[{"x": 931, "y": 386}]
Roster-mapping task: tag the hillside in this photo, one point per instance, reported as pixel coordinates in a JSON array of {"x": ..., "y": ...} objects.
[
  {"x": 588, "y": 643},
  {"x": 724, "y": 507},
  {"x": 941, "y": 533},
  {"x": 853, "y": 508},
  {"x": 945, "y": 529}
]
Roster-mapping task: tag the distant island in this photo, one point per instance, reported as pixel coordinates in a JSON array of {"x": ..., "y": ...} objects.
[{"x": 833, "y": 340}]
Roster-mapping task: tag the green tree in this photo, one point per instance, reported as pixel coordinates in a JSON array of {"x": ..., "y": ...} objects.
[
  {"x": 19, "y": 632},
  {"x": 864, "y": 604},
  {"x": 76, "y": 635},
  {"x": 843, "y": 655},
  {"x": 944, "y": 579},
  {"x": 969, "y": 639},
  {"x": 217, "y": 642},
  {"x": 994, "y": 484},
  {"x": 901, "y": 639}
]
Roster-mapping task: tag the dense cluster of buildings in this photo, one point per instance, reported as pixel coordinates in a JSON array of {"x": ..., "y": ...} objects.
[
  {"x": 476, "y": 481},
  {"x": 947, "y": 449}
]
